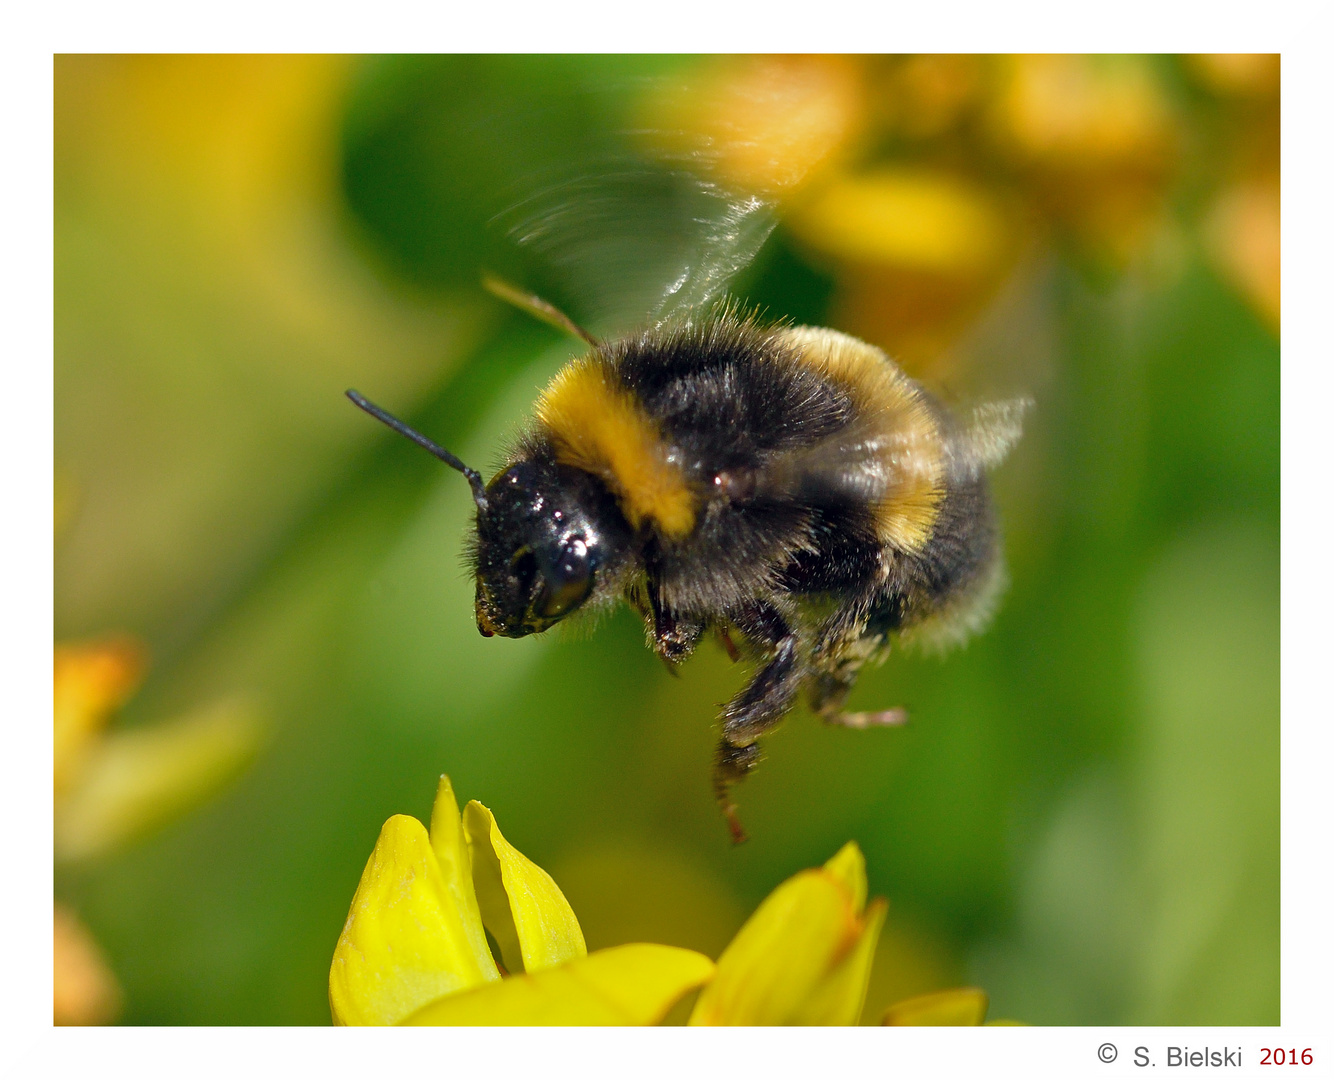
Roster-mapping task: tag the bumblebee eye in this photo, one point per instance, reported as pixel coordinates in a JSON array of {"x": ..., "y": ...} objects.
[
  {"x": 524, "y": 567},
  {"x": 567, "y": 584}
]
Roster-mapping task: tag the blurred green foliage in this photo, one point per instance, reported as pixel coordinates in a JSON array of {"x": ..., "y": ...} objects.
[{"x": 1082, "y": 815}]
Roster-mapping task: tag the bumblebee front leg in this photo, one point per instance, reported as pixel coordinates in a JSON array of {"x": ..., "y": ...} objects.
[
  {"x": 672, "y": 638},
  {"x": 759, "y": 707}
]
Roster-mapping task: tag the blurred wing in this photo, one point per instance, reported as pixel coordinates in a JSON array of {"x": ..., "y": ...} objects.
[
  {"x": 631, "y": 238},
  {"x": 986, "y": 435},
  {"x": 727, "y": 237},
  {"x": 865, "y": 462}
]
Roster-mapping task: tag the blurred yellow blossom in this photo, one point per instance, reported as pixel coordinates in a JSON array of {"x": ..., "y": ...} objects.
[
  {"x": 920, "y": 182},
  {"x": 112, "y": 787},
  {"x": 1080, "y": 113},
  {"x": 456, "y": 926},
  {"x": 1237, "y": 74},
  {"x": 86, "y": 992},
  {"x": 765, "y": 124},
  {"x": 1242, "y": 233},
  {"x": 915, "y": 250},
  {"x": 1096, "y": 140},
  {"x": 91, "y": 683},
  {"x": 924, "y": 220}
]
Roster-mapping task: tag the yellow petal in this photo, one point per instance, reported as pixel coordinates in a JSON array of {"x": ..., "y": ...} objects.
[
  {"x": 1245, "y": 75},
  {"x": 136, "y": 780},
  {"x": 1243, "y": 239},
  {"x": 86, "y": 991},
  {"x": 965, "y": 1007},
  {"x": 838, "y": 999},
  {"x": 630, "y": 984},
  {"x": 849, "y": 867},
  {"x": 451, "y": 854},
  {"x": 404, "y": 943},
  {"x": 1082, "y": 114},
  {"x": 911, "y": 219},
  {"x": 767, "y": 124},
  {"x": 91, "y": 682},
  {"x": 782, "y": 954},
  {"x": 523, "y": 908}
]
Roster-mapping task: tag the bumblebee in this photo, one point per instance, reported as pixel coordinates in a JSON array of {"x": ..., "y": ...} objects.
[{"x": 785, "y": 487}]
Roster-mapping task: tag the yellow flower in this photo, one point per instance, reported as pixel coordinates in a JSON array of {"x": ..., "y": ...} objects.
[
  {"x": 804, "y": 957},
  {"x": 965, "y": 1007},
  {"x": 417, "y": 947},
  {"x": 414, "y": 948},
  {"x": 915, "y": 250}
]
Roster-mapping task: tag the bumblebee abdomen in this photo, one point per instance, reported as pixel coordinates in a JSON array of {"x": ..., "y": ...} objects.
[
  {"x": 945, "y": 580},
  {"x": 891, "y": 451}
]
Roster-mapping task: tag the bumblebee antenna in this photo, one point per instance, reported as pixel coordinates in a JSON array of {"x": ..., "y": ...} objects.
[
  {"x": 536, "y": 307},
  {"x": 474, "y": 477}
]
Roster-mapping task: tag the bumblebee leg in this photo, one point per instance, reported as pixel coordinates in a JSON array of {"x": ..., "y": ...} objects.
[
  {"x": 756, "y": 709},
  {"x": 895, "y": 717},
  {"x": 673, "y": 639},
  {"x": 827, "y": 699},
  {"x": 841, "y": 661},
  {"x": 730, "y": 764},
  {"x": 766, "y": 700},
  {"x": 828, "y": 692}
]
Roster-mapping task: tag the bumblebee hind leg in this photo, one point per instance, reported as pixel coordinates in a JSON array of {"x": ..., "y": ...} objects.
[
  {"x": 731, "y": 764},
  {"x": 831, "y": 714},
  {"x": 759, "y": 707},
  {"x": 838, "y": 659}
]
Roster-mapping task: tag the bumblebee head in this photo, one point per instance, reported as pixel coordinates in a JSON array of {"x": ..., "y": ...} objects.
[{"x": 546, "y": 533}]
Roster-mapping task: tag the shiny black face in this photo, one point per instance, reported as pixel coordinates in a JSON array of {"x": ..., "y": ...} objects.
[{"x": 544, "y": 536}]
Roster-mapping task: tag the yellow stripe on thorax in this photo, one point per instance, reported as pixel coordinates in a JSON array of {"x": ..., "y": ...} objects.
[
  {"x": 599, "y": 427},
  {"x": 903, "y": 430}
]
